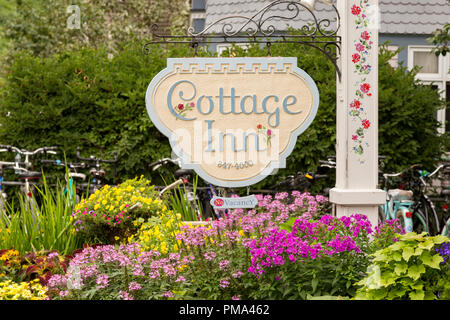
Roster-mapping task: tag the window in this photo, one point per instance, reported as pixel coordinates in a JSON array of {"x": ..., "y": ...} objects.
[
  {"x": 198, "y": 24},
  {"x": 394, "y": 60},
  {"x": 224, "y": 46},
  {"x": 433, "y": 70}
]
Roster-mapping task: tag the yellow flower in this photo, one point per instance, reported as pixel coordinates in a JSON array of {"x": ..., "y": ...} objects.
[
  {"x": 96, "y": 206},
  {"x": 104, "y": 202}
]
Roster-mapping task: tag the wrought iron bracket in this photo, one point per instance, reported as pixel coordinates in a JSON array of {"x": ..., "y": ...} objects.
[{"x": 259, "y": 28}]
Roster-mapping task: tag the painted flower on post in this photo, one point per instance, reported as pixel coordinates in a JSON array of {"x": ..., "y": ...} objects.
[
  {"x": 365, "y": 88},
  {"x": 360, "y": 47},
  {"x": 356, "y": 10},
  {"x": 365, "y": 35},
  {"x": 356, "y": 58},
  {"x": 366, "y": 124}
]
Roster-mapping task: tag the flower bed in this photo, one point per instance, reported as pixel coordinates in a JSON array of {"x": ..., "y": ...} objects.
[{"x": 285, "y": 248}]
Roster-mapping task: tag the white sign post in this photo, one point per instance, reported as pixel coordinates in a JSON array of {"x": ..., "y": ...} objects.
[{"x": 357, "y": 112}]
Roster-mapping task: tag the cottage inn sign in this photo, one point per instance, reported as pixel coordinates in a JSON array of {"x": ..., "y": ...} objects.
[
  {"x": 232, "y": 120},
  {"x": 235, "y": 120}
]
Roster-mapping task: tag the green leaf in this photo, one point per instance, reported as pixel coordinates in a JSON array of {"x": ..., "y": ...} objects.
[
  {"x": 439, "y": 239},
  {"x": 415, "y": 271},
  {"x": 417, "y": 295},
  {"x": 396, "y": 293},
  {"x": 427, "y": 244},
  {"x": 400, "y": 268},
  {"x": 432, "y": 261},
  {"x": 407, "y": 253},
  {"x": 387, "y": 278},
  {"x": 380, "y": 294},
  {"x": 314, "y": 283},
  {"x": 397, "y": 256}
]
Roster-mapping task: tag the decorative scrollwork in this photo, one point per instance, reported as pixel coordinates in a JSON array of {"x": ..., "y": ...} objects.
[{"x": 260, "y": 28}]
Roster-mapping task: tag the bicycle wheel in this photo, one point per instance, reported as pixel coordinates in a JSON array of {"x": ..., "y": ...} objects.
[
  {"x": 381, "y": 216},
  {"x": 446, "y": 229},
  {"x": 430, "y": 216},
  {"x": 419, "y": 222}
]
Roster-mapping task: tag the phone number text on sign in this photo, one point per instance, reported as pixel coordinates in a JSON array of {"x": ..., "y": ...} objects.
[{"x": 237, "y": 165}]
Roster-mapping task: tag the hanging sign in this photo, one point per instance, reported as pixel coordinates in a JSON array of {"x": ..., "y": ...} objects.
[{"x": 232, "y": 120}]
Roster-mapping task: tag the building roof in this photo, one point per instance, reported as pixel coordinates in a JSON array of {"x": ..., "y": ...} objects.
[{"x": 397, "y": 16}]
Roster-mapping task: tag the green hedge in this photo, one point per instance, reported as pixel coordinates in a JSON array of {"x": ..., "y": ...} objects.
[{"x": 84, "y": 99}]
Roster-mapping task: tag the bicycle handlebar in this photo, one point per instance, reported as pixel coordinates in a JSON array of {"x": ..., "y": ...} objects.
[
  {"x": 163, "y": 161},
  {"x": 401, "y": 172},
  {"x": 28, "y": 152},
  {"x": 95, "y": 159}
]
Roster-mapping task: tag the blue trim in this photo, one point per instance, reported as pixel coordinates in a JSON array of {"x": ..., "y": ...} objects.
[{"x": 232, "y": 62}]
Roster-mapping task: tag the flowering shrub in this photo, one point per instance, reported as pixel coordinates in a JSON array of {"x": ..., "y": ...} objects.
[
  {"x": 124, "y": 272},
  {"x": 108, "y": 214},
  {"x": 39, "y": 265},
  {"x": 285, "y": 204},
  {"x": 33, "y": 290},
  {"x": 275, "y": 251},
  {"x": 316, "y": 258},
  {"x": 219, "y": 261},
  {"x": 158, "y": 232},
  {"x": 415, "y": 267}
]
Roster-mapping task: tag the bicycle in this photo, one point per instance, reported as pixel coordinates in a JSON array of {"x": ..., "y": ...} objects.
[
  {"x": 193, "y": 197},
  {"x": 23, "y": 170},
  {"x": 425, "y": 206},
  {"x": 96, "y": 171},
  {"x": 399, "y": 204},
  {"x": 70, "y": 177}
]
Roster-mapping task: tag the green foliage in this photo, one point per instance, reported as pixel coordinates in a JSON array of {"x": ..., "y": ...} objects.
[
  {"x": 408, "y": 269},
  {"x": 108, "y": 214},
  {"x": 47, "y": 226},
  {"x": 83, "y": 98},
  {"x": 45, "y": 27},
  {"x": 440, "y": 39}
]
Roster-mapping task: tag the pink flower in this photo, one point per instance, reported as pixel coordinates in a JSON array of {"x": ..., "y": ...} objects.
[
  {"x": 360, "y": 47},
  {"x": 180, "y": 107},
  {"x": 354, "y": 137},
  {"x": 365, "y": 87},
  {"x": 224, "y": 283},
  {"x": 269, "y": 132},
  {"x": 134, "y": 286}
]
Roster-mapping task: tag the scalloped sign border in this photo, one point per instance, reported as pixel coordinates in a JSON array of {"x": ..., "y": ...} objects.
[{"x": 217, "y": 65}]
